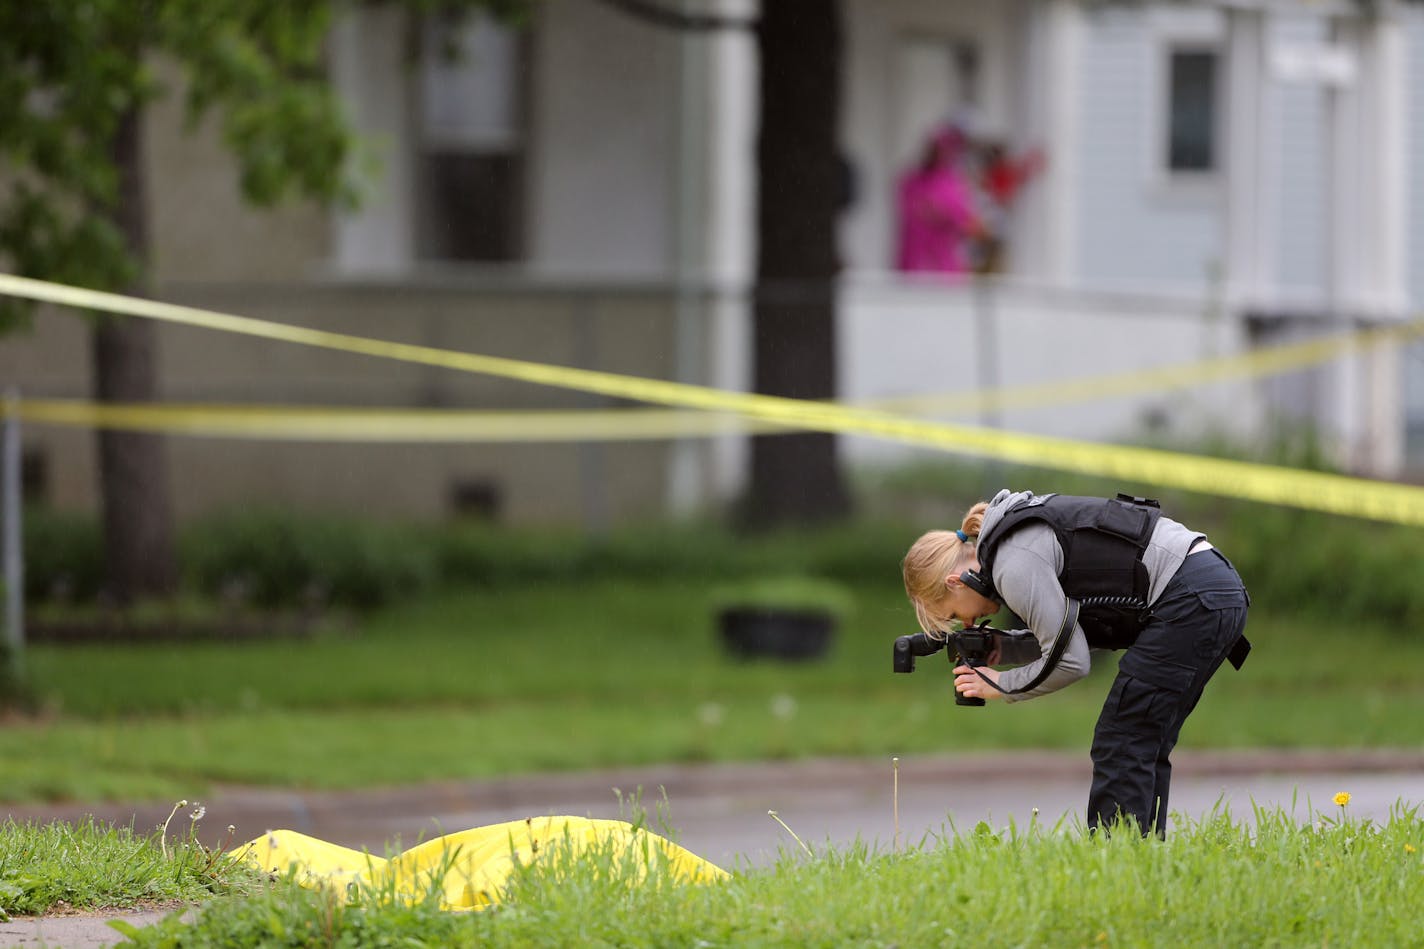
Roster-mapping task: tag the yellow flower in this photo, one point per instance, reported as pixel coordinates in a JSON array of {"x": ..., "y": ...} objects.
[
  {"x": 1408, "y": 848},
  {"x": 1342, "y": 798}
]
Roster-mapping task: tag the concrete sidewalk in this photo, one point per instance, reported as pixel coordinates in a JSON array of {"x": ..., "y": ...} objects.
[{"x": 720, "y": 811}]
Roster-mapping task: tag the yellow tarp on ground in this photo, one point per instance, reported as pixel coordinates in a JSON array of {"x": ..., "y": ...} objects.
[{"x": 479, "y": 860}]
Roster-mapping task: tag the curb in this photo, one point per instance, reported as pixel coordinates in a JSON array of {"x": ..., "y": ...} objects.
[{"x": 269, "y": 807}]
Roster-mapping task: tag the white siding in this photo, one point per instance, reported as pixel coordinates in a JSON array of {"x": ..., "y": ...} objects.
[
  {"x": 1302, "y": 197},
  {"x": 603, "y": 174},
  {"x": 1134, "y": 228},
  {"x": 900, "y": 339},
  {"x": 1412, "y": 367},
  {"x": 1414, "y": 40}
]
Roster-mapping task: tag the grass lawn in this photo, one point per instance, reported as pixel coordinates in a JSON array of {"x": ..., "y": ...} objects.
[
  {"x": 1276, "y": 880},
  {"x": 87, "y": 866},
  {"x": 536, "y": 677}
]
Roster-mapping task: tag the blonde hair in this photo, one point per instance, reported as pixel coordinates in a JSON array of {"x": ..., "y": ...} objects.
[{"x": 934, "y": 556}]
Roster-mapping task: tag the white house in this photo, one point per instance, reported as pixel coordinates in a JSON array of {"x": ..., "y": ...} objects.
[
  {"x": 1208, "y": 163},
  {"x": 1219, "y": 174}
]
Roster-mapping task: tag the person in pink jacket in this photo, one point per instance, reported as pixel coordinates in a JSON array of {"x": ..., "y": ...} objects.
[{"x": 936, "y": 203}]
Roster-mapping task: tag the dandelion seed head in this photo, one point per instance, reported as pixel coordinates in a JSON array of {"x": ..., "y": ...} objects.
[
  {"x": 1342, "y": 798},
  {"x": 711, "y": 714},
  {"x": 198, "y": 812},
  {"x": 783, "y": 706}
]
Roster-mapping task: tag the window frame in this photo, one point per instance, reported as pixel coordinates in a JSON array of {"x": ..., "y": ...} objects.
[
  {"x": 1171, "y": 57},
  {"x": 1183, "y": 185},
  {"x": 513, "y": 145}
]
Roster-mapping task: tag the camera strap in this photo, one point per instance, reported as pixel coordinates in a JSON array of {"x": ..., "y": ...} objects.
[{"x": 1060, "y": 643}]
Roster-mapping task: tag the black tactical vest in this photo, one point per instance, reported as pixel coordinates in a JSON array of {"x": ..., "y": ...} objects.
[{"x": 1103, "y": 540}]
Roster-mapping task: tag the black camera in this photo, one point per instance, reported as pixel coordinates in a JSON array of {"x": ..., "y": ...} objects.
[{"x": 972, "y": 647}]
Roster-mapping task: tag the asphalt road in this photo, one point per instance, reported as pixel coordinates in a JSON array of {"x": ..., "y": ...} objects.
[{"x": 721, "y": 811}]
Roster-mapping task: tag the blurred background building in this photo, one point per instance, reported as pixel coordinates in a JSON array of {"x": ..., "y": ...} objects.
[{"x": 580, "y": 190}]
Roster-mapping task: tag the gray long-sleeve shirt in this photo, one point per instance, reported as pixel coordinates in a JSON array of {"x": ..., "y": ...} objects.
[{"x": 1026, "y": 568}]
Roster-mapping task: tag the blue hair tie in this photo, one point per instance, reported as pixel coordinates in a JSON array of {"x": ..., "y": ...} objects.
[{"x": 963, "y": 537}]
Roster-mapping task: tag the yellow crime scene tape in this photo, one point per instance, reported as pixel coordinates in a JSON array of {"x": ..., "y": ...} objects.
[
  {"x": 342, "y": 423},
  {"x": 1382, "y": 501}
]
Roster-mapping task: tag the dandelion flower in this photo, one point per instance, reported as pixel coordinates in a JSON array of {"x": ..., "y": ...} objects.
[
  {"x": 1408, "y": 848},
  {"x": 1342, "y": 798}
]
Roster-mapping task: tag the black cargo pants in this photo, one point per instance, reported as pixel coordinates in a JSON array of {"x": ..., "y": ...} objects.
[{"x": 1195, "y": 623}]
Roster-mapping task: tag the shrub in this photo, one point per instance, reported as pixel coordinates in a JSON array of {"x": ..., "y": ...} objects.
[
  {"x": 64, "y": 555},
  {"x": 1339, "y": 567},
  {"x": 273, "y": 558},
  {"x": 483, "y": 555},
  {"x": 786, "y": 592},
  {"x": 1291, "y": 560}
]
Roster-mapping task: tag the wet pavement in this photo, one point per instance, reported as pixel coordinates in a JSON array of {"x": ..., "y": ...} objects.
[{"x": 720, "y": 812}]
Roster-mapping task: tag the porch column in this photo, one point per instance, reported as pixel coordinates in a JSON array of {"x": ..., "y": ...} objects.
[
  {"x": 730, "y": 226},
  {"x": 1044, "y": 227},
  {"x": 368, "y": 69},
  {"x": 1369, "y": 208},
  {"x": 1370, "y": 188},
  {"x": 1245, "y": 268}
]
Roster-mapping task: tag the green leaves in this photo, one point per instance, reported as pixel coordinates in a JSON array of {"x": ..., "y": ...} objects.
[
  {"x": 123, "y": 927},
  {"x": 70, "y": 73},
  {"x": 11, "y": 893},
  {"x": 69, "y": 78}
]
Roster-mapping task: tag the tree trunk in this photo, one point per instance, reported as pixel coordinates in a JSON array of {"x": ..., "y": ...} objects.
[
  {"x": 797, "y": 478},
  {"x": 133, "y": 468}
]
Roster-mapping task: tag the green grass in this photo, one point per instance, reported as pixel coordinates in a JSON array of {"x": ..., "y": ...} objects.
[
  {"x": 568, "y": 676},
  {"x": 90, "y": 866},
  {"x": 1276, "y": 880}
]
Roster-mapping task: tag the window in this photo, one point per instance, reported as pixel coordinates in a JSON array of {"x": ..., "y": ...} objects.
[
  {"x": 1192, "y": 111},
  {"x": 469, "y": 163}
]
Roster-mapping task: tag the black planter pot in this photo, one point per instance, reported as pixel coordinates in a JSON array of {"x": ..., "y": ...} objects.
[{"x": 751, "y": 632}]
